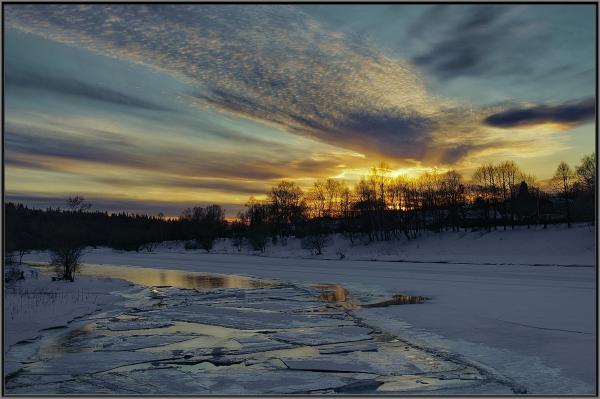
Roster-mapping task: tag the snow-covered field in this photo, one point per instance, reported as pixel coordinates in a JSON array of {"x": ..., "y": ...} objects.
[
  {"x": 519, "y": 305},
  {"x": 38, "y": 303},
  {"x": 555, "y": 245}
]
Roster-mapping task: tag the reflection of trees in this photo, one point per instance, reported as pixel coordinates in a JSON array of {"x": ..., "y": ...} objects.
[
  {"x": 162, "y": 278},
  {"x": 333, "y": 293}
]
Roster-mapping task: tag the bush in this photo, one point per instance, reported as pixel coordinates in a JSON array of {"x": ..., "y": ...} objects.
[
  {"x": 258, "y": 235},
  {"x": 316, "y": 236},
  {"x": 340, "y": 253},
  {"x": 315, "y": 243},
  {"x": 237, "y": 242},
  {"x": 206, "y": 242},
  {"x": 66, "y": 261}
]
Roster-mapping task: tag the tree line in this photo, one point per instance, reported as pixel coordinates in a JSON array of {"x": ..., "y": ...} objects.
[{"x": 380, "y": 206}]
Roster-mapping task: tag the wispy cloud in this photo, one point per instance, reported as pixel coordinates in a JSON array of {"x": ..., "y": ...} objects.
[
  {"x": 63, "y": 85},
  {"x": 475, "y": 40},
  {"x": 269, "y": 63},
  {"x": 64, "y": 147}
]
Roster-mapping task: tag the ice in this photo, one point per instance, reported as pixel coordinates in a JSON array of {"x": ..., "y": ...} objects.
[
  {"x": 378, "y": 362},
  {"x": 93, "y": 362},
  {"x": 123, "y": 343},
  {"x": 501, "y": 318},
  {"x": 275, "y": 382},
  {"x": 324, "y": 335},
  {"x": 137, "y": 325},
  {"x": 345, "y": 347},
  {"x": 247, "y": 319},
  {"x": 260, "y": 344}
]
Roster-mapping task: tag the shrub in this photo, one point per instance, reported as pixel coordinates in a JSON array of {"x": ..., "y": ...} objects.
[
  {"x": 315, "y": 243},
  {"x": 66, "y": 261},
  {"x": 258, "y": 235},
  {"x": 206, "y": 242}
]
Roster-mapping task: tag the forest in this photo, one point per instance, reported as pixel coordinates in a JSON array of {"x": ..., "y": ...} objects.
[{"x": 379, "y": 206}]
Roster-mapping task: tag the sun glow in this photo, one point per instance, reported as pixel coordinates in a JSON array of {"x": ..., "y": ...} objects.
[{"x": 416, "y": 171}]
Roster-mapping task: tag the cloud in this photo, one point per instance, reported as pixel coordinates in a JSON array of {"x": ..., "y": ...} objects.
[
  {"x": 272, "y": 64},
  {"x": 277, "y": 66},
  {"x": 570, "y": 113},
  {"x": 476, "y": 40},
  {"x": 24, "y": 79},
  {"x": 69, "y": 148}
]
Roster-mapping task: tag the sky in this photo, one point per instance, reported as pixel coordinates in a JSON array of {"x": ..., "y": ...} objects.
[{"x": 154, "y": 108}]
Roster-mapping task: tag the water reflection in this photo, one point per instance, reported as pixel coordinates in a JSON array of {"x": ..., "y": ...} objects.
[
  {"x": 399, "y": 299},
  {"x": 179, "y": 279},
  {"x": 337, "y": 293},
  {"x": 332, "y": 293}
]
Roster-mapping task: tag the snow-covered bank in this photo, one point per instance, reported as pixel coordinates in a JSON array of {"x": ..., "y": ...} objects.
[
  {"x": 534, "y": 325},
  {"x": 37, "y": 303},
  {"x": 555, "y": 245}
]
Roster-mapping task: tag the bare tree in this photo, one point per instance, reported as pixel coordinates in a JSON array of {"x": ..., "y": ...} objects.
[
  {"x": 316, "y": 237},
  {"x": 563, "y": 179},
  {"x": 66, "y": 261},
  {"x": 508, "y": 173},
  {"x": 586, "y": 172},
  {"x": 206, "y": 223},
  {"x": 316, "y": 199},
  {"x": 453, "y": 189},
  {"x": 288, "y": 206},
  {"x": 78, "y": 204}
]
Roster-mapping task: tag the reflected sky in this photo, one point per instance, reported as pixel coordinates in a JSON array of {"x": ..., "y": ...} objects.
[{"x": 179, "y": 279}]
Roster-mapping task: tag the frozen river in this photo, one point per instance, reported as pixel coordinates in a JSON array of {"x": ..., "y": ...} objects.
[{"x": 516, "y": 328}]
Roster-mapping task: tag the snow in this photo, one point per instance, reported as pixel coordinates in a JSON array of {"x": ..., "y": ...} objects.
[
  {"x": 517, "y": 306},
  {"x": 555, "y": 245},
  {"x": 38, "y": 303}
]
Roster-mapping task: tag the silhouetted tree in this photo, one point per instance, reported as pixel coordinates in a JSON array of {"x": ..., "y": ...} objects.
[
  {"x": 315, "y": 236},
  {"x": 586, "y": 172},
  {"x": 78, "y": 204},
  {"x": 206, "y": 224},
  {"x": 287, "y": 206},
  {"x": 563, "y": 178}
]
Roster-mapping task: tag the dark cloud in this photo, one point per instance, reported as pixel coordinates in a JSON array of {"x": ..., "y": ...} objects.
[
  {"x": 476, "y": 40},
  {"x": 576, "y": 112},
  {"x": 21, "y": 78}
]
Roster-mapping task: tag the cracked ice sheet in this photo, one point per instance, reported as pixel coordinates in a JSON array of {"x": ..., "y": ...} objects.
[
  {"x": 171, "y": 381},
  {"x": 273, "y": 382},
  {"x": 324, "y": 335},
  {"x": 137, "y": 325},
  {"x": 248, "y": 319},
  {"x": 94, "y": 362},
  {"x": 260, "y": 344},
  {"x": 124, "y": 343},
  {"x": 344, "y": 347},
  {"x": 279, "y": 306},
  {"x": 359, "y": 362}
]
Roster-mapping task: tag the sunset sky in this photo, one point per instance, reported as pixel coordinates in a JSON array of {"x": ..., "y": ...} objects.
[{"x": 150, "y": 108}]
